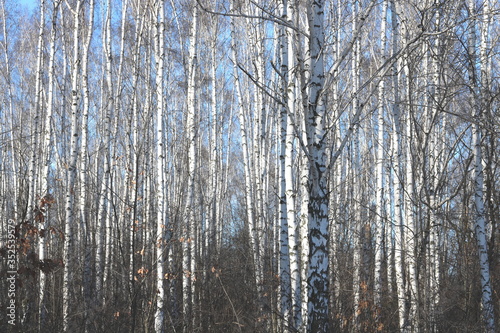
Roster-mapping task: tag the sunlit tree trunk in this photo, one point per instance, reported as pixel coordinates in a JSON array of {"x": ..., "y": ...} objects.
[
  {"x": 396, "y": 149},
  {"x": 32, "y": 171},
  {"x": 336, "y": 179},
  {"x": 69, "y": 265},
  {"x": 410, "y": 217},
  {"x": 85, "y": 236},
  {"x": 409, "y": 211},
  {"x": 480, "y": 84},
  {"x": 284, "y": 264},
  {"x": 359, "y": 278},
  {"x": 47, "y": 160},
  {"x": 480, "y": 230},
  {"x": 433, "y": 169},
  {"x": 104, "y": 205},
  {"x": 189, "y": 229},
  {"x": 8, "y": 76},
  {"x": 290, "y": 135},
  {"x": 318, "y": 196},
  {"x": 161, "y": 218},
  {"x": 380, "y": 175},
  {"x": 215, "y": 153},
  {"x": 134, "y": 154}
]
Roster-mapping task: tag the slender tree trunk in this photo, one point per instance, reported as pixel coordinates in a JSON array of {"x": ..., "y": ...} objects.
[
  {"x": 161, "y": 221},
  {"x": 290, "y": 190},
  {"x": 479, "y": 89},
  {"x": 190, "y": 240},
  {"x": 47, "y": 159},
  {"x": 32, "y": 172},
  {"x": 69, "y": 265},
  {"x": 8, "y": 75},
  {"x": 359, "y": 269},
  {"x": 284, "y": 264},
  {"x": 380, "y": 158},
  {"x": 84, "y": 184},
  {"x": 398, "y": 222}
]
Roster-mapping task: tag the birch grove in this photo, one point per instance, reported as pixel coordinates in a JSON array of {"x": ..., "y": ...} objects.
[{"x": 250, "y": 166}]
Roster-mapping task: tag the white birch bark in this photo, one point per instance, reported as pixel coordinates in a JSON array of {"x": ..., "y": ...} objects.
[
  {"x": 72, "y": 173},
  {"x": 32, "y": 171},
  {"x": 215, "y": 135},
  {"x": 85, "y": 236},
  {"x": 479, "y": 88},
  {"x": 132, "y": 222},
  {"x": 336, "y": 179},
  {"x": 409, "y": 183},
  {"x": 104, "y": 239},
  {"x": 380, "y": 214},
  {"x": 434, "y": 170},
  {"x": 189, "y": 229},
  {"x": 303, "y": 170},
  {"x": 290, "y": 191},
  {"x": 411, "y": 225},
  {"x": 318, "y": 197},
  {"x": 480, "y": 232},
  {"x": 284, "y": 264},
  {"x": 358, "y": 269},
  {"x": 397, "y": 221},
  {"x": 47, "y": 159},
  {"x": 161, "y": 222},
  {"x": 304, "y": 235},
  {"x": 8, "y": 75}
]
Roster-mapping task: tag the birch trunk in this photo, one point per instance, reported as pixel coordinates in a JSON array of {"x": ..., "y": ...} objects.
[
  {"x": 359, "y": 278},
  {"x": 293, "y": 227},
  {"x": 84, "y": 151},
  {"x": 480, "y": 229},
  {"x": 398, "y": 222},
  {"x": 284, "y": 264},
  {"x": 47, "y": 159},
  {"x": 410, "y": 216},
  {"x": 134, "y": 157},
  {"x": 71, "y": 177},
  {"x": 189, "y": 229},
  {"x": 32, "y": 171},
  {"x": 161, "y": 221},
  {"x": 379, "y": 215},
  {"x": 434, "y": 170},
  {"x": 7, "y": 66},
  {"x": 479, "y": 88},
  {"x": 318, "y": 196}
]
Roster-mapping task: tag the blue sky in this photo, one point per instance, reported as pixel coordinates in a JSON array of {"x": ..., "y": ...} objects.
[{"x": 30, "y": 4}]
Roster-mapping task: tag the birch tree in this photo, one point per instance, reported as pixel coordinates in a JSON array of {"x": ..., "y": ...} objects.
[
  {"x": 318, "y": 196},
  {"x": 85, "y": 236},
  {"x": 161, "y": 222},
  {"x": 189, "y": 239},
  {"x": 72, "y": 173},
  {"x": 380, "y": 169},
  {"x": 479, "y": 89},
  {"x": 285, "y": 292},
  {"x": 104, "y": 201},
  {"x": 47, "y": 160}
]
